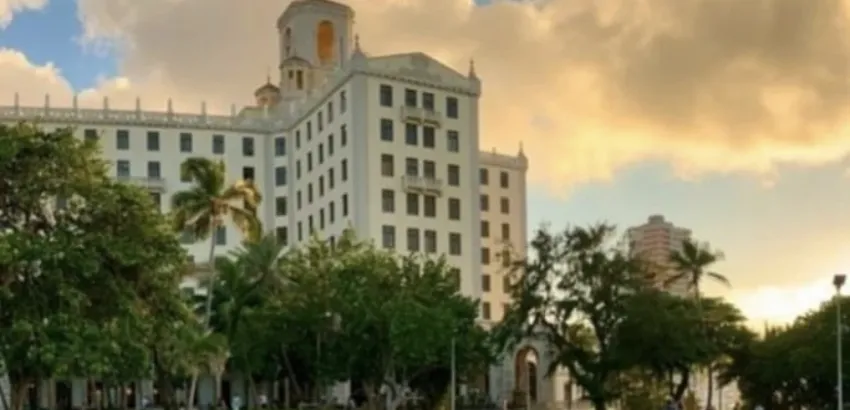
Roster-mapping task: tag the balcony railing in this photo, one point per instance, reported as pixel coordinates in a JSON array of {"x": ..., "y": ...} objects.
[
  {"x": 151, "y": 183},
  {"x": 423, "y": 116},
  {"x": 422, "y": 185}
]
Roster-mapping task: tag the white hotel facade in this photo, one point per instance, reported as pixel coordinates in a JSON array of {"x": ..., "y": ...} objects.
[{"x": 388, "y": 145}]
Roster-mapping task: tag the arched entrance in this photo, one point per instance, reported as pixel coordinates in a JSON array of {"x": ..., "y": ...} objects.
[{"x": 526, "y": 364}]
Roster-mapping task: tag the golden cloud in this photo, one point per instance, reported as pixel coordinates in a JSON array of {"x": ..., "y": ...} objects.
[{"x": 588, "y": 86}]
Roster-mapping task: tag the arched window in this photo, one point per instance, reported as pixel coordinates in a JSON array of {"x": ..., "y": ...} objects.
[
  {"x": 287, "y": 42},
  {"x": 325, "y": 42}
]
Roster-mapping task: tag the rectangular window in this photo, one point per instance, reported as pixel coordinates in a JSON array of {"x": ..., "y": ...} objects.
[
  {"x": 345, "y": 205},
  {"x": 387, "y": 165},
  {"x": 485, "y": 256},
  {"x": 330, "y": 145},
  {"x": 309, "y": 131},
  {"x": 154, "y": 170},
  {"x": 412, "y": 204},
  {"x": 279, "y": 146},
  {"x": 506, "y": 231},
  {"x": 388, "y": 236},
  {"x": 297, "y": 140},
  {"x": 411, "y": 134},
  {"x": 388, "y": 201},
  {"x": 484, "y": 202},
  {"x": 321, "y": 153},
  {"x": 218, "y": 144},
  {"x": 428, "y": 101},
  {"x": 454, "y": 209},
  {"x": 280, "y": 176},
  {"x": 248, "y": 146},
  {"x": 343, "y": 102},
  {"x": 330, "y": 109},
  {"x": 504, "y": 179},
  {"x": 410, "y": 97},
  {"x": 344, "y": 170},
  {"x": 428, "y": 137},
  {"x": 485, "y": 283},
  {"x": 485, "y": 229},
  {"x": 430, "y": 237},
  {"x": 413, "y": 239},
  {"x": 319, "y": 122},
  {"x": 220, "y": 236},
  {"x": 90, "y": 134},
  {"x": 122, "y": 140},
  {"x": 429, "y": 169},
  {"x": 505, "y": 205},
  {"x": 485, "y": 310},
  {"x": 411, "y": 167},
  {"x": 309, "y": 161},
  {"x": 153, "y": 140},
  {"x": 386, "y": 95},
  {"x": 386, "y": 129},
  {"x": 451, "y": 107},
  {"x": 453, "y": 175},
  {"x": 483, "y": 176},
  {"x": 454, "y": 244},
  {"x": 430, "y": 206},
  {"x": 248, "y": 173},
  {"x": 122, "y": 168},
  {"x": 452, "y": 141},
  {"x": 282, "y": 235},
  {"x": 280, "y": 206},
  {"x": 185, "y": 142},
  {"x": 321, "y": 186},
  {"x": 343, "y": 135}
]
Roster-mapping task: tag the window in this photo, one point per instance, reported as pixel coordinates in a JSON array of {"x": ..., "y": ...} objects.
[
  {"x": 280, "y": 176},
  {"x": 319, "y": 122},
  {"x": 503, "y": 179},
  {"x": 298, "y": 170},
  {"x": 153, "y": 141},
  {"x": 412, "y": 204},
  {"x": 122, "y": 168},
  {"x": 321, "y": 153},
  {"x": 122, "y": 140},
  {"x": 300, "y": 232},
  {"x": 485, "y": 282},
  {"x": 485, "y": 202},
  {"x": 282, "y": 235},
  {"x": 410, "y": 97},
  {"x": 452, "y": 141},
  {"x": 388, "y": 201},
  {"x": 388, "y": 236},
  {"x": 387, "y": 165},
  {"x": 330, "y": 145},
  {"x": 220, "y": 235},
  {"x": 343, "y": 135},
  {"x": 506, "y": 231},
  {"x": 298, "y": 200},
  {"x": 330, "y": 108},
  {"x": 454, "y": 209},
  {"x": 451, "y": 107},
  {"x": 386, "y": 129},
  {"x": 454, "y": 244},
  {"x": 430, "y": 237},
  {"x": 321, "y": 186},
  {"x": 156, "y": 197},
  {"x": 506, "y": 284},
  {"x": 154, "y": 170},
  {"x": 331, "y": 212},
  {"x": 280, "y": 206},
  {"x": 90, "y": 134},
  {"x": 429, "y": 169},
  {"x": 248, "y": 173},
  {"x": 428, "y": 101},
  {"x": 411, "y": 167},
  {"x": 309, "y": 131},
  {"x": 331, "y": 178},
  {"x": 345, "y": 205},
  {"x": 411, "y": 134},
  {"x": 280, "y": 146},
  {"x": 485, "y": 310},
  {"x": 343, "y": 102},
  {"x": 386, "y": 95},
  {"x": 485, "y": 256},
  {"x": 298, "y": 139},
  {"x": 505, "y": 205},
  {"x": 309, "y": 193},
  {"x": 454, "y": 175},
  {"x": 344, "y": 170},
  {"x": 185, "y": 142},
  {"x": 506, "y": 258},
  {"x": 483, "y": 176},
  {"x": 485, "y": 229},
  {"x": 413, "y": 239},
  {"x": 428, "y": 137},
  {"x": 248, "y": 146},
  {"x": 218, "y": 144},
  {"x": 430, "y": 206},
  {"x": 309, "y": 161}
]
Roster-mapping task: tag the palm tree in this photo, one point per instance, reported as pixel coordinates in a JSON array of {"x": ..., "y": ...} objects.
[
  {"x": 202, "y": 208},
  {"x": 692, "y": 264}
]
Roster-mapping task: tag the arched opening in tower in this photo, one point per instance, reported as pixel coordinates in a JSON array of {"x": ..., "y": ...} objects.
[
  {"x": 325, "y": 42},
  {"x": 525, "y": 372}
]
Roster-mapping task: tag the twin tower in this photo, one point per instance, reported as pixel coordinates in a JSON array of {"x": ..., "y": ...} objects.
[{"x": 315, "y": 38}]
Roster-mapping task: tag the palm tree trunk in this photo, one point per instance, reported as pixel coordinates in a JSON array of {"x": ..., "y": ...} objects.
[
  {"x": 207, "y": 311},
  {"x": 710, "y": 389},
  {"x": 190, "y": 399}
]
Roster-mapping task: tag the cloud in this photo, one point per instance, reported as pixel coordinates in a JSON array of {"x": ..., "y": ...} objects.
[
  {"x": 588, "y": 86},
  {"x": 8, "y": 8}
]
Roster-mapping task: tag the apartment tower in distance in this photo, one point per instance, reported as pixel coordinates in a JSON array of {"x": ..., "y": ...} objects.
[{"x": 656, "y": 241}]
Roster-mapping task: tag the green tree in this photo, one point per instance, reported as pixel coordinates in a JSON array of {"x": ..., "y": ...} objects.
[
  {"x": 692, "y": 265},
  {"x": 572, "y": 293},
  {"x": 78, "y": 256}
]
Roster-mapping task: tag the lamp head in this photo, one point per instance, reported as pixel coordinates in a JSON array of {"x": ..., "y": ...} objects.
[{"x": 838, "y": 280}]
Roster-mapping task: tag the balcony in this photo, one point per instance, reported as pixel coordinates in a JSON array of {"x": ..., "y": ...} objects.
[
  {"x": 151, "y": 183},
  {"x": 421, "y": 116},
  {"x": 422, "y": 185}
]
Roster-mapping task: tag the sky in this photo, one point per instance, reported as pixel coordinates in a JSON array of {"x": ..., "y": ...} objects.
[{"x": 728, "y": 117}]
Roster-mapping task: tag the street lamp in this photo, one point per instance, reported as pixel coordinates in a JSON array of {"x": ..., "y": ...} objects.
[{"x": 838, "y": 281}]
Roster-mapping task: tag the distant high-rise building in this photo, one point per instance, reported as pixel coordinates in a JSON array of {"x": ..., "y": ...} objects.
[{"x": 656, "y": 241}]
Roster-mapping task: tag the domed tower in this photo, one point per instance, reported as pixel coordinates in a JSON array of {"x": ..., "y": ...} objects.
[
  {"x": 315, "y": 37},
  {"x": 268, "y": 95}
]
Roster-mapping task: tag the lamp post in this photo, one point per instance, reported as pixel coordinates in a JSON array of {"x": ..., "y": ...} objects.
[
  {"x": 453, "y": 384},
  {"x": 838, "y": 281}
]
